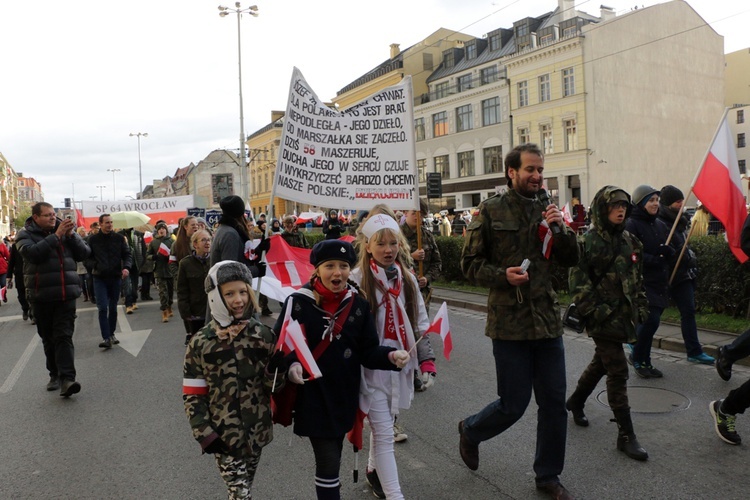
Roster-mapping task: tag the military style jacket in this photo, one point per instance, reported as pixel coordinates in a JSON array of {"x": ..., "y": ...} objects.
[
  {"x": 432, "y": 263},
  {"x": 295, "y": 239},
  {"x": 161, "y": 262},
  {"x": 506, "y": 232},
  {"x": 226, "y": 389},
  {"x": 615, "y": 307}
]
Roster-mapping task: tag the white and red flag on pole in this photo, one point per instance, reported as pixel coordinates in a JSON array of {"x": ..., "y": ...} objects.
[
  {"x": 164, "y": 250},
  {"x": 291, "y": 339},
  {"x": 148, "y": 236},
  {"x": 566, "y": 215},
  {"x": 545, "y": 236},
  {"x": 718, "y": 186},
  {"x": 442, "y": 327},
  {"x": 287, "y": 269}
]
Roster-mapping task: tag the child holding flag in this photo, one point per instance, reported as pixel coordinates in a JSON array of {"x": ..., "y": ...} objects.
[
  {"x": 158, "y": 252},
  {"x": 228, "y": 376},
  {"x": 392, "y": 290},
  {"x": 341, "y": 337}
]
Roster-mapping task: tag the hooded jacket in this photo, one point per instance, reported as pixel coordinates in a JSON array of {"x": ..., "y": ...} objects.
[
  {"x": 688, "y": 268},
  {"x": 49, "y": 263},
  {"x": 652, "y": 233},
  {"x": 618, "y": 303}
]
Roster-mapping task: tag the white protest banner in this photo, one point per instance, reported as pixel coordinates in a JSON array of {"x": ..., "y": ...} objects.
[
  {"x": 170, "y": 209},
  {"x": 350, "y": 159}
]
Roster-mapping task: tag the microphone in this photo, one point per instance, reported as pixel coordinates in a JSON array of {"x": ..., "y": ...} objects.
[{"x": 544, "y": 198}]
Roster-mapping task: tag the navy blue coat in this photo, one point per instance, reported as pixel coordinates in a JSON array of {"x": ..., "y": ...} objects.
[
  {"x": 652, "y": 232},
  {"x": 326, "y": 407}
]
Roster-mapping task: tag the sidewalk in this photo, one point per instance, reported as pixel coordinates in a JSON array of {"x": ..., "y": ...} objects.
[{"x": 668, "y": 336}]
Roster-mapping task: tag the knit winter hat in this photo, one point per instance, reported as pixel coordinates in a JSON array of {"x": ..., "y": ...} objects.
[
  {"x": 332, "y": 250},
  {"x": 232, "y": 206},
  {"x": 670, "y": 194},
  {"x": 161, "y": 225},
  {"x": 220, "y": 273}
]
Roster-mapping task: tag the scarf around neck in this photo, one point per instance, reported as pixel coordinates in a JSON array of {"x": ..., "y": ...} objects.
[
  {"x": 230, "y": 332},
  {"x": 395, "y": 314}
]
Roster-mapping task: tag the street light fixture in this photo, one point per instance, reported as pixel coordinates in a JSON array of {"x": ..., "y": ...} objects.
[
  {"x": 101, "y": 196},
  {"x": 140, "y": 174},
  {"x": 114, "y": 185},
  {"x": 253, "y": 11}
]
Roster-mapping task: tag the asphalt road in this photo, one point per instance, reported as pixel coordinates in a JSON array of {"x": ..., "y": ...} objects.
[{"x": 126, "y": 435}]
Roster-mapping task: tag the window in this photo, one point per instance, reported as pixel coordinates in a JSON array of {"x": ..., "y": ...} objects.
[
  {"x": 442, "y": 166},
  {"x": 569, "y": 31},
  {"x": 740, "y": 116},
  {"x": 471, "y": 51},
  {"x": 740, "y": 140},
  {"x": 427, "y": 64},
  {"x": 489, "y": 75},
  {"x": 523, "y": 94},
  {"x": 571, "y": 137},
  {"x": 493, "y": 160},
  {"x": 441, "y": 90},
  {"x": 545, "y": 39},
  {"x": 544, "y": 88},
  {"x": 569, "y": 82},
  {"x": 421, "y": 167},
  {"x": 464, "y": 118},
  {"x": 440, "y": 124},
  {"x": 464, "y": 83},
  {"x": 523, "y": 135},
  {"x": 419, "y": 129},
  {"x": 448, "y": 59},
  {"x": 265, "y": 182},
  {"x": 490, "y": 111},
  {"x": 743, "y": 169},
  {"x": 546, "y": 133},
  {"x": 466, "y": 164},
  {"x": 495, "y": 42},
  {"x": 522, "y": 29}
]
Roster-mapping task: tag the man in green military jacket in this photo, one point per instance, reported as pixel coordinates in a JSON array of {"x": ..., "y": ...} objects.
[{"x": 523, "y": 317}]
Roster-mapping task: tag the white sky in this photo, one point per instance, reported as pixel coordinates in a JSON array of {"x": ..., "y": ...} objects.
[{"x": 77, "y": 77}]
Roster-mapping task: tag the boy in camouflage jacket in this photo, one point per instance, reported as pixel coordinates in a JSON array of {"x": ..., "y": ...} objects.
[{"x": 228, "y": 376}]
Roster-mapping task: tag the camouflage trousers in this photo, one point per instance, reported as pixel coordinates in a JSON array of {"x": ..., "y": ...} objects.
[
  {"x": 609, "y": 359},
  {"x": 238, "y": 474},
  {"x": 166, "y": 292}
]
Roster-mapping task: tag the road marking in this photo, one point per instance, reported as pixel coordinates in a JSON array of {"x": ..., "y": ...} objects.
[
  {"x": 20, "y": 365},
  {"x": 132, "y": 341}
]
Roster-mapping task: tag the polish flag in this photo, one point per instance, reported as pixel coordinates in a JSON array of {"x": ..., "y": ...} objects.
[
  {"x": 566, "y": 215},
  {"x": 148, "y": 236},
  {"x": 717, "y": 185},
  {"x": 4, "y": 292},
  {"x": 545, "y": 235},
  {"x": 291, "y": 339},
  {"x": 164, "y": 250},
  {"x": 79, "y": 219},
  {"x": 287, "y": 269},
  {"x": 194, "y": 386},
  {"x": 442, "y": 327}
]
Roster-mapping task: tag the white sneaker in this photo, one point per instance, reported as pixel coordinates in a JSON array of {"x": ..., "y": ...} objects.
[{"x": 399, "y": 436}]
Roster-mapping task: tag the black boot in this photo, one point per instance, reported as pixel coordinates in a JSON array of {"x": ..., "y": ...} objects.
[
  {"x": 579, "y": 418},
  {"x": 626, "y": 440}
]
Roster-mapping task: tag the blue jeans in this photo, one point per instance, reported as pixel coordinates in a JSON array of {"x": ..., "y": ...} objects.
[
  {"x": 683, "y": 294},
  {"x": 522, "y": 366},
  {"x": 107, "y": 292},
  {"x": 645, "y": 334}
]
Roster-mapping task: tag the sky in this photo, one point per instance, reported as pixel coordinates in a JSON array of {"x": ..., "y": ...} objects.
[{"x": 77, "y": 77}]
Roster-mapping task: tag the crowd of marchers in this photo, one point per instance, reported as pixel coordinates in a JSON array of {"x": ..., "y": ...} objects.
[{"x": 351, "y": 343}]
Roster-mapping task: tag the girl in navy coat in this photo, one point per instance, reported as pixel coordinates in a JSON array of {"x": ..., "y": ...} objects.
[{"x": 340, "y": 332}]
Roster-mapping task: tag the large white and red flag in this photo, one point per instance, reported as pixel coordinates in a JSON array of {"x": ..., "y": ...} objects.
[
  {"x": 717, "y": 185},
  {"x": 442, "y": 327},
  {"x": 292, "y": 339},
  {"x": 287, "y": 269}
]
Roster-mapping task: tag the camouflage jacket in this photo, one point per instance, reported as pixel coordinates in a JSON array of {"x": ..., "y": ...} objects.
[
  {"x": 295, "y": 239},
  {"x": 613, "y": 308},
  {"x": 161, "y": 262},
  {"x": 505, "y": 232},
  {"x": 226, "y": 389},
  {"x": 432, "y": 263}
]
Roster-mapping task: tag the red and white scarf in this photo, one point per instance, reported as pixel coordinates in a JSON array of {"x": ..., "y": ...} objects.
[{"x": 396, "y": 318}]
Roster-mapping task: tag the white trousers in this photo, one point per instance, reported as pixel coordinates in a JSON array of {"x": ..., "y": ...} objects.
[{"x": 382, "y": 457}]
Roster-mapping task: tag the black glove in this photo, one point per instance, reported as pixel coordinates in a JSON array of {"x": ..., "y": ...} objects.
[
  {"x": 666, "y": 251},
  {"x": 216, "y": 446},
  {"x": 260, "y": 269},
  {"x": 277, "y": 362},
  {"x": 263, "y": 246}
]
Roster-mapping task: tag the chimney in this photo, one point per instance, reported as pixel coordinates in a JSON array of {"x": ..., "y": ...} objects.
[
  {"x": 395, "y": 50},
  {"x": 607, "y": 13},
  {"x": 567, "y": 9}
]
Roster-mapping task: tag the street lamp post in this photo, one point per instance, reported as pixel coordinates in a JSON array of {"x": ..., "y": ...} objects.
[
  {"x": 101, "y": 196},
  {"x": 114, "y": 185},
  {"x": 253, "y": 11},
  {"x": 140, "y": 173}
]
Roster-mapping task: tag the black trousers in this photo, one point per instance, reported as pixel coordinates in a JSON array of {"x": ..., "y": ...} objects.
[
  {"x": 327, "y": 455},
  {"x": 55, "y": 322}
]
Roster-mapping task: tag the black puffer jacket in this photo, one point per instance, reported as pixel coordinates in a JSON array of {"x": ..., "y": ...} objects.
[
  {"x": 652, "y": 232},
  {"x": 688, "y": 268},
  {"x": 49, "y": 263}
]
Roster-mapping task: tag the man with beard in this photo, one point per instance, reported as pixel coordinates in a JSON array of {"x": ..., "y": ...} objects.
[{"x": 523, "y": 313}]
